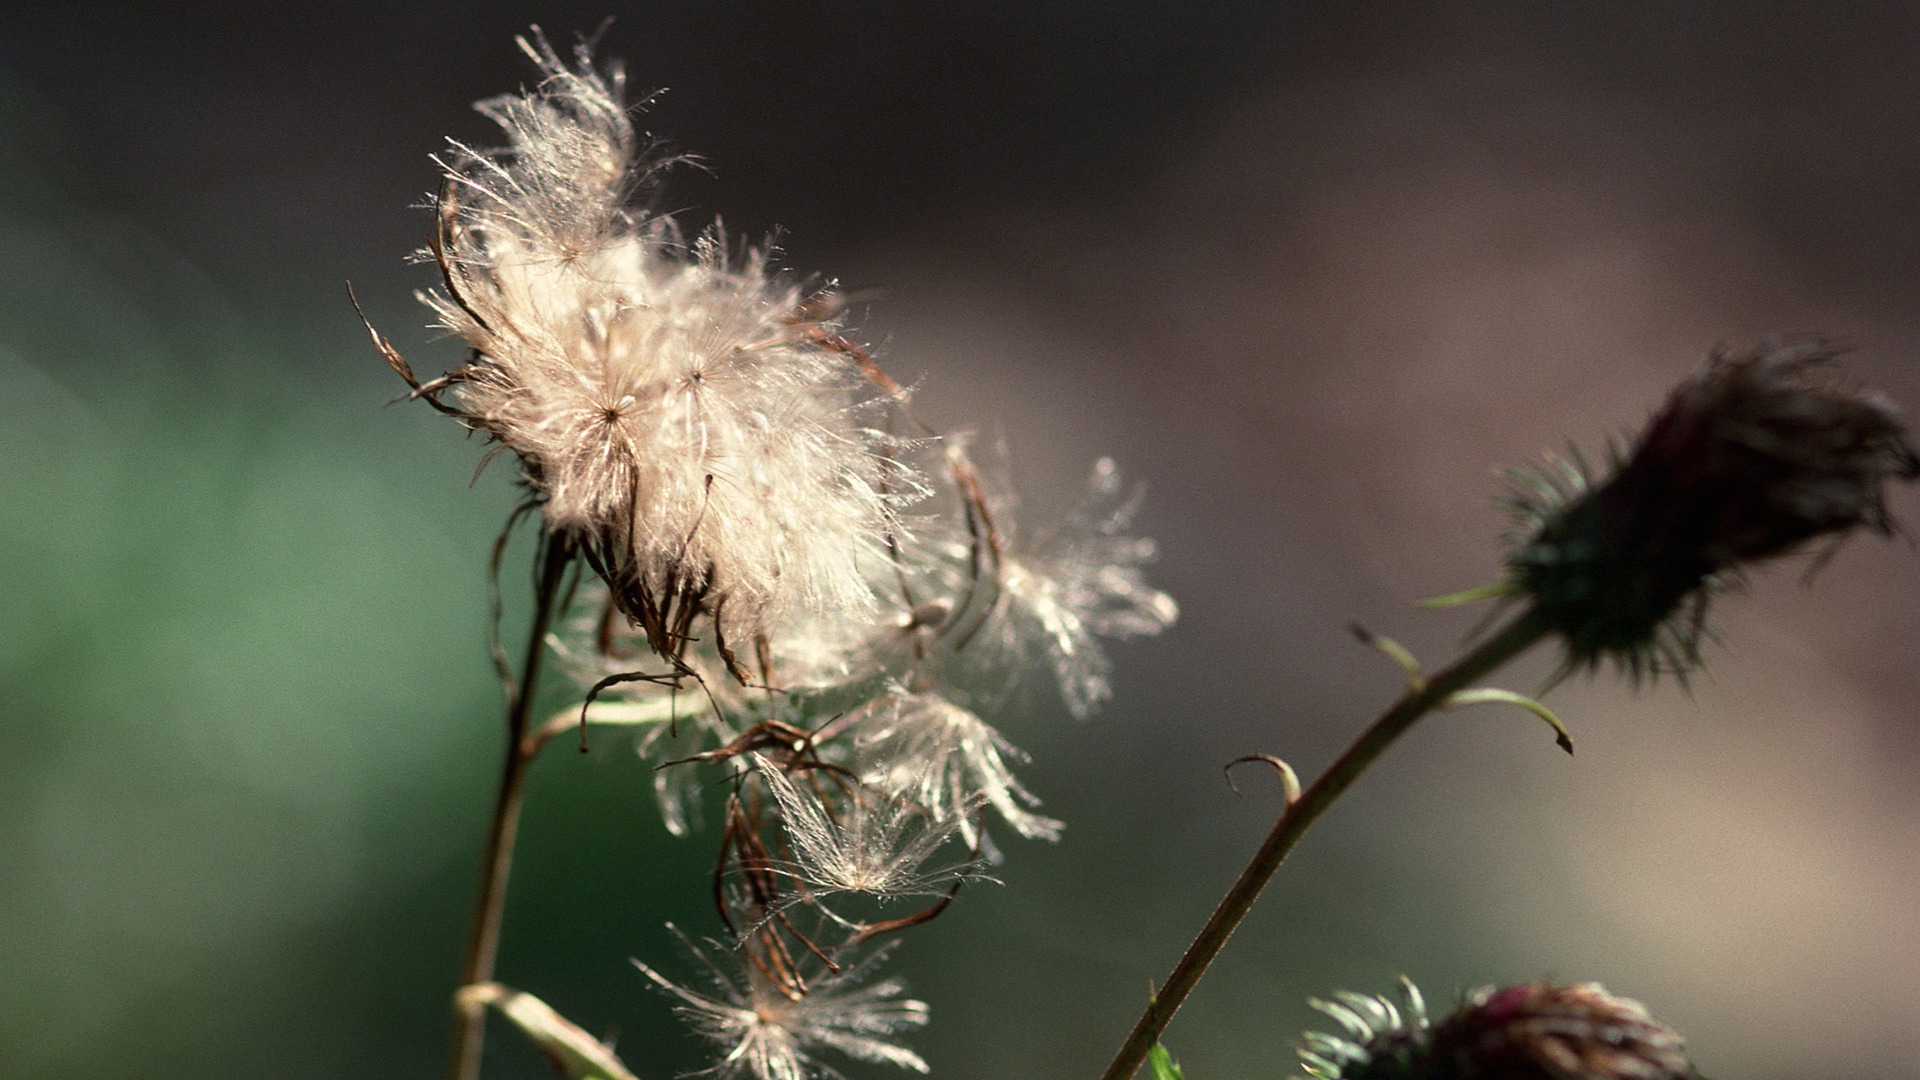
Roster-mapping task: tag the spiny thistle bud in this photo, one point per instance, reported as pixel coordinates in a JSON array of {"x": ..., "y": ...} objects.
[
  {"x": 1759, "y": 453},
  {"x": 1533, "y": 1031}
]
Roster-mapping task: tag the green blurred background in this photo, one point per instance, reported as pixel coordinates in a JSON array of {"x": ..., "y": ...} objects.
[{"x": 1310, "y": 270}]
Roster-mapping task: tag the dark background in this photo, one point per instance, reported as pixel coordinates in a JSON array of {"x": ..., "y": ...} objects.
[{"x": 1310, "y": 270}]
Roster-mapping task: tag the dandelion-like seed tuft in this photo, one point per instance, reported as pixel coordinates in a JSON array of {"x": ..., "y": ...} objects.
[
  {"x": 769, "y": 1031},
  {"x": 946, "y": 758},
  {"x": 878, "y": 844}
]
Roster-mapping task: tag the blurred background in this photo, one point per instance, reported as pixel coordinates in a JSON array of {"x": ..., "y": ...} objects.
[{"x": 1310, "y": 270}]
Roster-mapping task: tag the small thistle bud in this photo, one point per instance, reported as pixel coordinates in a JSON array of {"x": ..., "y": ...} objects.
[
  {"x": 1538, "y": 1031},
  {"x": 1533, "y": 1031},
  {"x": 1756, "y": 455}
]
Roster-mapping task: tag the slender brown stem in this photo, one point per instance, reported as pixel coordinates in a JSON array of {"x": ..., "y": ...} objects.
[
  {"x": 483, "y": 943},
  {"x": 1298, "y": 816}
]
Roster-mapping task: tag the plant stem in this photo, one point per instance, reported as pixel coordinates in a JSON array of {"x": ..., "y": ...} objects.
[
  {"x": 483, "y": 942},
  {"x": 1299, "y": 815}
]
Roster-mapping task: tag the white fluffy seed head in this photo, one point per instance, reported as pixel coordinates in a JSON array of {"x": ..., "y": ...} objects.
[{"x": 682, "y": 411}]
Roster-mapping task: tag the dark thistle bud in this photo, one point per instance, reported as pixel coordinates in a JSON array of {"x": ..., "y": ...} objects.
[
  {"x": 1534, "y": 1031},
  {"x": 1756, "y": 455}
]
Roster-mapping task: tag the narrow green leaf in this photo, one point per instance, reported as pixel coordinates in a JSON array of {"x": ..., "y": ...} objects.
[
  {"x": 1163, "y": 1065},
  {"x": 1398, "y": 653},
  {"x": 1490, "y": 696},
  {"x": 573, "y": 1051},
  {"x": 1468, "y": 596}
]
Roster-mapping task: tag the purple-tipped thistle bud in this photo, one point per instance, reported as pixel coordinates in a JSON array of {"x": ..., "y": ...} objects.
[
  {"x": 1538, "y": 1031},
  {"x": 1756, "y": 455},
  {"x": 1533, "y": 1031}
]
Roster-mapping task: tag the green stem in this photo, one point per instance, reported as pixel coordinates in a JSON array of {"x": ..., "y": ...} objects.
[
  {"x": 483, "y": 942},
  {"x": 1299, "y": 815}
]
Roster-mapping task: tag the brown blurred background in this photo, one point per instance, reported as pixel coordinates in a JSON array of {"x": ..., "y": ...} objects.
[{"x": 1309, "y": 270}]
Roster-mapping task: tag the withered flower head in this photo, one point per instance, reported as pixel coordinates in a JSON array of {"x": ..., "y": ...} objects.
[
  {"x": 1533, "y": 1031},
  {"x": 1756, "y": 455},
  {"x": 687, "y": 418}
]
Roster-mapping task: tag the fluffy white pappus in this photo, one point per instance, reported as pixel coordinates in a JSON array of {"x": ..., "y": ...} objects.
[
  {"x": 686, "y": 415},
  {"x": 870, "y": 841},
  {"x": 946, "y": 760},
  {"x": 1071, "y": 585},
  {"x": 573, "y": 161},
  {"x": 766, "y": 1032}
]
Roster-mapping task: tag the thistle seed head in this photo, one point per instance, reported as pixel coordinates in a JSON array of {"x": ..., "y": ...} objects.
[{"x": 685, "y": 415}]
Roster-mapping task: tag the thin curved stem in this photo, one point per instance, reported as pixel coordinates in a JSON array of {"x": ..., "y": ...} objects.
[
  {"x": 483, "y": 942},
  {"x": 1293, "y": 823}
]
